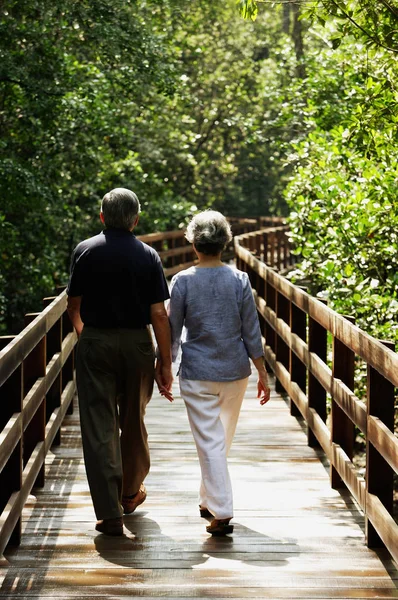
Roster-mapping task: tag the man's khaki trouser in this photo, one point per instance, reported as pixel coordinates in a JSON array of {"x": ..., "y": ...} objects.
[{"x": 114, "y": 376}]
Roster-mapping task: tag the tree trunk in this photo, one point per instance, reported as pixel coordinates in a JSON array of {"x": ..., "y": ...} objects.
[
  {"x": 286, "y": 18},
  {"x": 298, "y": 41}
]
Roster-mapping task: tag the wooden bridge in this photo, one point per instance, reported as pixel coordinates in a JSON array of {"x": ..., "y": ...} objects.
[{"x": 309, "y": 522}]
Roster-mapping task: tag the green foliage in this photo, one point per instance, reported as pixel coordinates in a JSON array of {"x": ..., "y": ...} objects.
[
  {"x": 68, "y": 72},
  {"x": 248, "y": 9},
  {"x": 193, "y": 107},
  {"x": 343, "y": 193},
  {"x": 344, "y": 223},
  {"x": 180, "y": 103},
  {"x": 372, "y": 22}
]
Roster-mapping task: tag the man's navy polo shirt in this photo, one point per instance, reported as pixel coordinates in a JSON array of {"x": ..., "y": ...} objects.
[{"x": 118, "y": 278}]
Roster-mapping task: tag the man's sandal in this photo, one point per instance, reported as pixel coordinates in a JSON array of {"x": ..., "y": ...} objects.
[{"x": 130, "y": 503}]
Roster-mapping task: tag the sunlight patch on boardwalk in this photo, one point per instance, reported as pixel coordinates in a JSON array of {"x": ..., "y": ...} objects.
[{"x": 294, "y": 536}]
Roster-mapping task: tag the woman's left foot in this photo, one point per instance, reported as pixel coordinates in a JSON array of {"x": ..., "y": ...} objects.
[
  {"x": 220, "y": 527},
  {"x": 205, "y": 513}
]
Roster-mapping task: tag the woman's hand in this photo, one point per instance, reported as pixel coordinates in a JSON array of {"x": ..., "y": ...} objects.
[
  {"x": 263, "y": 390},
  {"x": 164, "y": 380}
]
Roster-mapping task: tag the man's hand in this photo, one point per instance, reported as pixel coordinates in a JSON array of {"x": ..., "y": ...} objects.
[{"x": 164, "y": 380}]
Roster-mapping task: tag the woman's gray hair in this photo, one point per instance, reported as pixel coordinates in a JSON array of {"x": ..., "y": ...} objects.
[
  {"x": 120, "y": 208},
  {"x": 209, "y": 231}
]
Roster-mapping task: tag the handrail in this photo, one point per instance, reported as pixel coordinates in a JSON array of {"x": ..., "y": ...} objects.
[
  {"x": 301, "y": 332},
  {"x": 37, "y": 384},
  {"x": 36, "y": 389},
  {"x": 176, "y": 252}
]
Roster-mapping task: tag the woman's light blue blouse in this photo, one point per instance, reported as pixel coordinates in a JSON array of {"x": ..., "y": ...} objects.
[{"x": 216, "y": 309}]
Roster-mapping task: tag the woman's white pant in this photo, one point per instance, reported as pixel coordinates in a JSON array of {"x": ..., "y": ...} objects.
[{"x": 213, "y": 409}]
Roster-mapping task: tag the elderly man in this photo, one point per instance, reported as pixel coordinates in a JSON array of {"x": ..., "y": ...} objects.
[{"x": 116, "y": 289}]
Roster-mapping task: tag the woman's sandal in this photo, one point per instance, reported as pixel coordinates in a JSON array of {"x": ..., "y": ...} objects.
[
  {"x": 205, "y": 513},
  {"x": 220, "y": 527}
]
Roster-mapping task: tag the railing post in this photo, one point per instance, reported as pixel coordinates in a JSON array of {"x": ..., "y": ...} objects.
[
  {"x": 258, "y": 244},
  {"x": 282, "y": 349},
  {"x": 11, "y": 475},
  {"x": 342, "y": 428},
  {"x": 184, "y": 256},
  {"x": 298, "y": 371},
  {"x": 241, "y": 264},
  {"x": 271, "y": 238},
  {"x": 34, "y": 367},
  {"x": 173, "y": 244},
  {"x": 317, "y": 344},
  {"x": 261, "y": 291},
  {"x": 167, "y": 261},
  {"x": 279, "y": 250},
  {"x": 286, "y": 250},
  {"x": 257, "y": 252},
  {"x": 278, "y": 262},
  {"x": 252, "y": 243},
  {"x": 270, "y": 334},
  {"x": 379, "y": 474},
  {"x": 54, "y": 346},
  {"x": 265, "y": 246}
]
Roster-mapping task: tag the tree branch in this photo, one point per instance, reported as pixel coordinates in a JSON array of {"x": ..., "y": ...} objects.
[
  {"x": 375, "y": 40},
  {"x": 392, "y": 9}
]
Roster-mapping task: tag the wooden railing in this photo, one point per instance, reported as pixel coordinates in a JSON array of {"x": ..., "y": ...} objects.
[
  {"x": 271, "y": 245},
  {"x": 36, "y": 390},
  {"x": 312, "y": 350},
  {"x": 176, "y": 252},
  {"x": 37, "y": 385}
]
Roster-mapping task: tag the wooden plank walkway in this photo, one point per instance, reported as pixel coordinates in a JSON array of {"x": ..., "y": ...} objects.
[{"x": 294, "y": 536}]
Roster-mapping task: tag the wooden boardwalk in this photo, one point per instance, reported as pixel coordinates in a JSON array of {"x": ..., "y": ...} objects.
[{"x": 294, "y": 536}]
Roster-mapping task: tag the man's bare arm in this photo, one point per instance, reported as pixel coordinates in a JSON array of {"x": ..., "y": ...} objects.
[
  {"x": 73, "y": 308},
  {"x": 161, "y": 328}
]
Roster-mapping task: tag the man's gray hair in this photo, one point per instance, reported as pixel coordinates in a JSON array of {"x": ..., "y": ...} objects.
[
  {"x": 209, "y": 231},
  {"x": 120, "y": 208}
]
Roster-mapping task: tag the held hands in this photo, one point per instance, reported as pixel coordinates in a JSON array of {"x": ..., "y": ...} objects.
[
  {"x": 263, "y": 390},
  {"x": 164, "y": 379}
]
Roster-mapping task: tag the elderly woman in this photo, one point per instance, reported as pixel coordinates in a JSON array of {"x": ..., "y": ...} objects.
[{"x": 215, "y": 304}]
